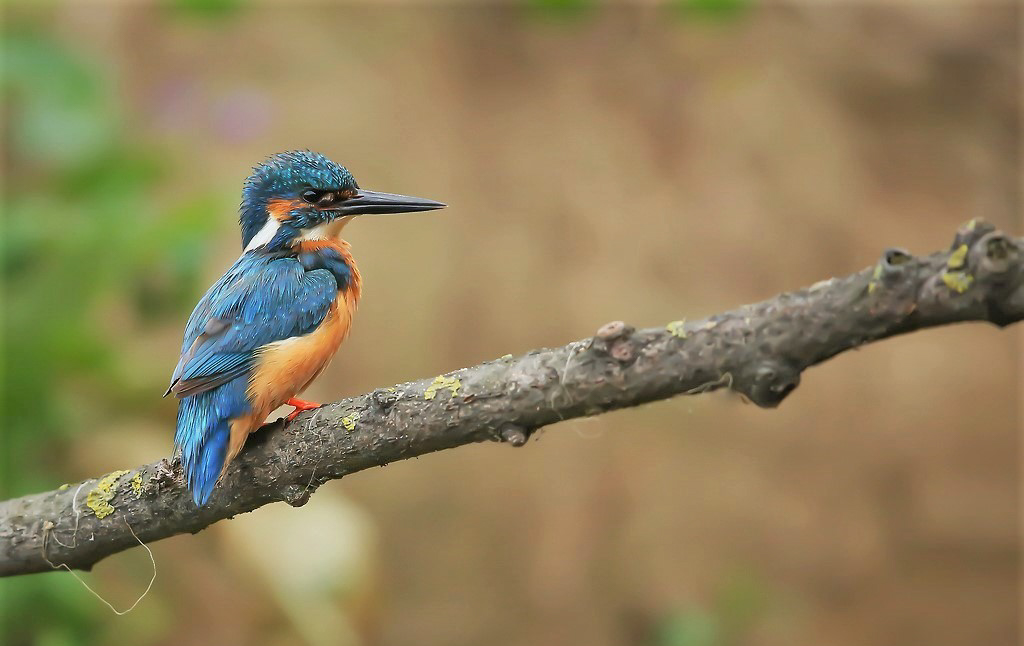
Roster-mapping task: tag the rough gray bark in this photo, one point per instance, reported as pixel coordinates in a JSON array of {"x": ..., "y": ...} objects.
[{"x": 758, "y": 350}]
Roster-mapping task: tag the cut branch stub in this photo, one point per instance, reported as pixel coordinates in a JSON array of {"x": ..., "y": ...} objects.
[
  {"x": 768, "y": 383},
  {"x": 514, "y": 434}
]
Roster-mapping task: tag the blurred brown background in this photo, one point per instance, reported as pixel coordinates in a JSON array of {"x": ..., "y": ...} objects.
[{"x": 644, "y": 163}]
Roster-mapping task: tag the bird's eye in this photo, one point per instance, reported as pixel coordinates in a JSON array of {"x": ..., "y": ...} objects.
[
  {"x": 311, "y": 196},
  {"x": 326, "y": 199}
]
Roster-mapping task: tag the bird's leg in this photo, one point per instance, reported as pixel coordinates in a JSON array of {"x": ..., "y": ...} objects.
[{"x": 300, "y": 406}]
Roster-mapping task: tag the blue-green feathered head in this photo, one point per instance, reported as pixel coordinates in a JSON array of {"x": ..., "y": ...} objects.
[{"x": 295, "y": 192}]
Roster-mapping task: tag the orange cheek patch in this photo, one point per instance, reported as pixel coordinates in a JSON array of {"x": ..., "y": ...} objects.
[{"x": 281, "y": 210}]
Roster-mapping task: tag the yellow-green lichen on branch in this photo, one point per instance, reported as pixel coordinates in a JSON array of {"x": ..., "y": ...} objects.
[
  {"x": 349, "y": 421},
  {"x": 441, "y": 382},
  {"x": 677, "y": 328},
  {"x": 99, "y": 498},
  {"x": 875, "y": 278},
  {"x": 958, "y": 281},
  {"x": 137, "y": 485},
  {"x": 957, "y": 258}
]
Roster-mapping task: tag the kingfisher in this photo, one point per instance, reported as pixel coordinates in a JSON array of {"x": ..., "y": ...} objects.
[{"x": 271, "y": 324}]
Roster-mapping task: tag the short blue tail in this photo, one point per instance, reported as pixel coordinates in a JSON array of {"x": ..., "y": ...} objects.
[{"x": 203, "y": 434}]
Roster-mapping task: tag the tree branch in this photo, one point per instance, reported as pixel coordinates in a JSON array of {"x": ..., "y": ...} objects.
[{"x": 758, "y": 350}]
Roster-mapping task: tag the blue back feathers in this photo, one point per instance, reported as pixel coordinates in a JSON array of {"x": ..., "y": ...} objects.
[{"x": 287, "y": 175}]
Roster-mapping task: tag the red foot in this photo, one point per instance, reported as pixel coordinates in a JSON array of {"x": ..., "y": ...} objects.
[{"x": 300, "y": 406}]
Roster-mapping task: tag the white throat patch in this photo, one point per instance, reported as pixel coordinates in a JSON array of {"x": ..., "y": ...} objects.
[{"x": 324, "y": 231}]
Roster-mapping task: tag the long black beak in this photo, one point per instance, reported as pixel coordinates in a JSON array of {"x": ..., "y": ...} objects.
[{"x": 372, "y": 202}]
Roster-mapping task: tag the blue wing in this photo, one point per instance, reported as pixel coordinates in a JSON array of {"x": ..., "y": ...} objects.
[{"x": 258, "y": 301}]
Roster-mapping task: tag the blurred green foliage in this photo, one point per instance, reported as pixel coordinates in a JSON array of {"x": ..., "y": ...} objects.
[
  {"x": 80, "y": 231},
  {"x": 82, "y": 238},
  {"x": 713, "y": 9},
  {"x": 210, "y": 9},
  {"x": 561, "y": 8},
  {"x": 740, "y": 601}
]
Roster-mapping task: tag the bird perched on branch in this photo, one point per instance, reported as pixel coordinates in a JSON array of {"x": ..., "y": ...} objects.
[{"x": 271, "y": 324}]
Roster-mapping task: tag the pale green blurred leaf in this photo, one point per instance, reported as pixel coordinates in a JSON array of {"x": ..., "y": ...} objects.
[{"x": 690, "y": 628}]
